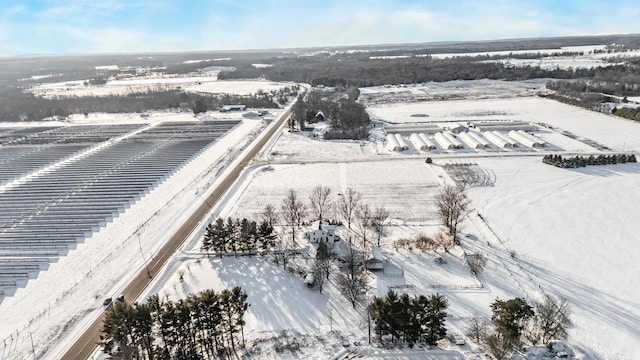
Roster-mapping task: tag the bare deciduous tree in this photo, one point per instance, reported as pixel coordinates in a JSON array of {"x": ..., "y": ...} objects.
[
  {"x": 320, "y": 201},
  {"x": 269, "y": 215},
  {"x": 551, "y": 320},
  {"x": 478, "y": 328},
  {"x": 348, "y": 205},
  {"x": 352, "y": 281},
  {"x": 292, "y": 212},
  {"x": 499, "y": 346},
  {"x": 444, "y": 240},
  {"x": 379, "y": 222},
  {"x": 452, "y": 206},
  {"x": 364, "y": 215},
  {"x": 476, "y": 261}
]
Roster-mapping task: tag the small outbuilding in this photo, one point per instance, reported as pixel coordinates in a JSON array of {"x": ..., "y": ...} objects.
[{"x": 227, "y": 108}]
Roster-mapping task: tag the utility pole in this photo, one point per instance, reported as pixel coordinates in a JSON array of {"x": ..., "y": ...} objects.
[{"x": 138, "y": 230}]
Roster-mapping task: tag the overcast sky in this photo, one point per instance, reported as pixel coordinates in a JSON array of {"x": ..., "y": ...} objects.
[{"x": 98, "y": 26}]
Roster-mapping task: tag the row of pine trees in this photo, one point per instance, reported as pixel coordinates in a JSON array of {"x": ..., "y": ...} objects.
[
  {"x": 238, "y": 236},
  {"x": 582, "y": 161},
  {"x": 203, "y": 326},
  {"x": 408, "y": 319}
]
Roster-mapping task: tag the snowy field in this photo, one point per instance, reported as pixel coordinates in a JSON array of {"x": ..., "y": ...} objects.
[
  {"x": 206, "y": 82},
  {"x": 614, "y": 132},
  {"x": 574, "y": 232},
  {"x": 564, "y": 258},
  {"x": 579, "y": 253},
  {"x": 561, "y": 58},
  {"x": 451, "y": 90}
]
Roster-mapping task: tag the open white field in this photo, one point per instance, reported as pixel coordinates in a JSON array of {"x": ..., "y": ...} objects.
[
  {"x": 280, "y": 301},
  {"x": 616, "y": 133},
  {"x": 237, "y": 87},
  {"x": 301, "y": 147},
  {"x": 404, "y": 187},
  {"x": 206, "y": 82},
  {"x": 574, "y": 232},
  {"x": 451, "y": 90}
]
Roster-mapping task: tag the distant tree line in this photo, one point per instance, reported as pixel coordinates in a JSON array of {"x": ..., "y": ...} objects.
[
  {"x": 410, "y": 319},
  {"x": 627, "y": 113},
  {"x": 582, "y": 161},
  {"x": 204, "y": 325},
  {"x": 238, "y": 236},
  {"x": 26, "y": 107}
]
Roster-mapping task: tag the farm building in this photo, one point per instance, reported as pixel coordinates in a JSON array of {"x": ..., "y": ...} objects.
[
  {"x": 376, "y": 261},
  {"x": 507, "y": 138},
  {"x": 506, "y": 125},
  {"x": 392, "y": 143},
  {"x": 458, "y": 129},
  {"x": 498, "y": 141},
  {"x": 479, "y": 138},
  {"x": 326, "y": 233},
  {"x": 470, "y": 141},
  {"x": 226, "y": 108},
  {"x": 444, "y": 142},
  {"x": 421, "y": 142},
  {"x": 408, "y": 129},
  {"x": 401, "y": 142},
  {"x": 526, "y": 139},
  {"x": 453, "y": 140},
  {"x": 430, "y": 144}
]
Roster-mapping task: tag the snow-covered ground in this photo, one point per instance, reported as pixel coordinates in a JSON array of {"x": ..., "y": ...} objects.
[
  {"x": 614, "y": 132},
  {"x": 206, "y": 82},
  {"x": 574, "y": 234},
  {"x": 451, "y": 90},
  {"x": 53, "y": 308},
  {"x": 566, "y": 232},
  {"x": 578, "y": 254}
]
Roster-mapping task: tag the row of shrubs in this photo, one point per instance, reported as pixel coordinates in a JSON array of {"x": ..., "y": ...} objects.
[{"x": 582, "y": 161}]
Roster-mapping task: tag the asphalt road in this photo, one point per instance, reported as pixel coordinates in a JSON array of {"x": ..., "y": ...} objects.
[{"x": 87, "y": 343}]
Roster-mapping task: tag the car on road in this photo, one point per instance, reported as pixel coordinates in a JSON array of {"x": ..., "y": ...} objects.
[
  {"x": 458, "y": 339},
  {"x": 107, "y": 303},
  {"x": 120, "y": 298}
]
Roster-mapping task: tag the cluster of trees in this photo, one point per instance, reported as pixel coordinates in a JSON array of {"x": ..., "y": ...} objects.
[
  {"x": 369, "y": 223},
  {"x": 203, "y": 326},
  {"x": 410, "y": 319},
  {"x": 628, "y": 113},
  {"x": 515, "y": 322},
  {"x": 360, "y": 71},
  {"x": 452, "y": 205},
  {"x": 348, "y": 119},
  {"x": 239, "y": 236},
  {"x": 582, "y": 161},
  {"x": 27, "y": 107}
]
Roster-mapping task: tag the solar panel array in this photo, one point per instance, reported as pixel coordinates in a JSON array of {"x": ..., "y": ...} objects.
[{"x": 45, "y": 216}]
